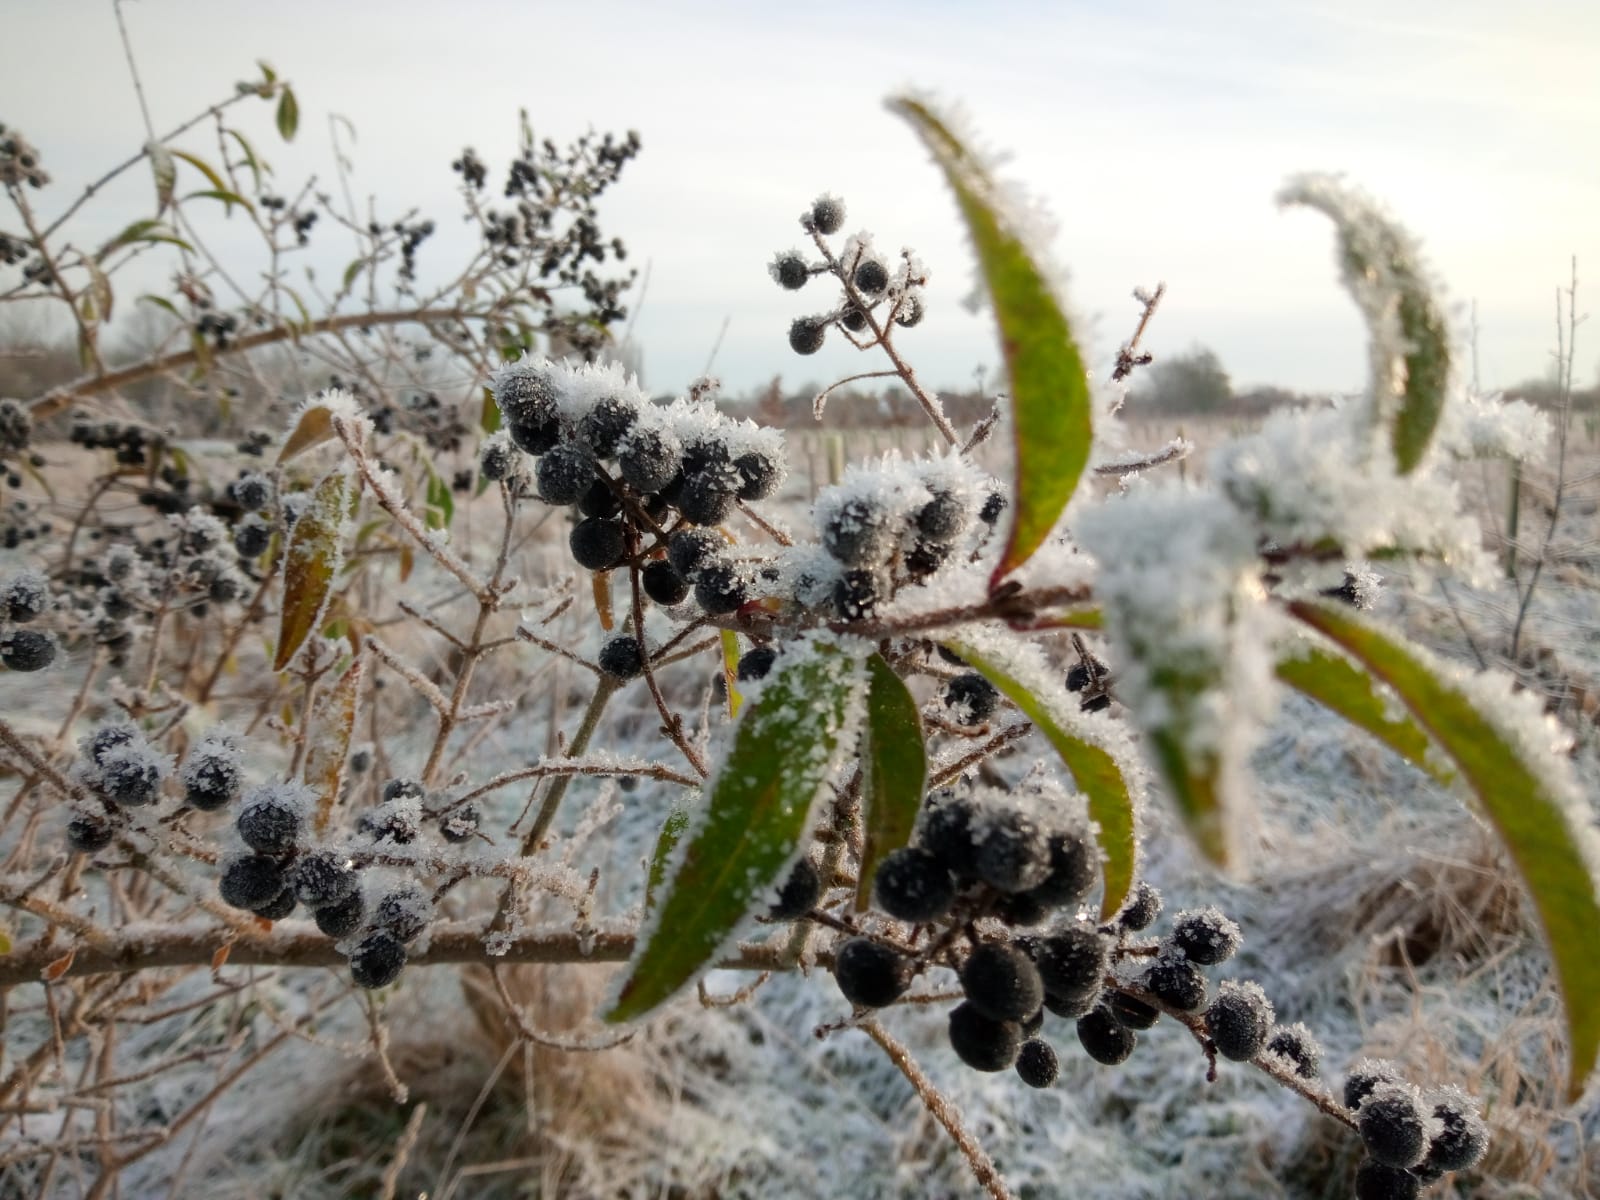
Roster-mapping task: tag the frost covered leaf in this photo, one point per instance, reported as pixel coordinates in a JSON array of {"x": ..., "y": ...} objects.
[
  {"x": 314, "y": 427},
  {"x": 1339, "y": 685},
  {"x": 1112, "y": 791},
  {"x": 165, "y": 171},
  {"x": 1523, "y": 789},
  {"x": 333, "y": 718},
  {"x": 666, "y": 842},
  {"x": 1050, "y": 403},
  {"x": 894, "y": 770},
  {"x": 1410, "y": 349},
  {"x": 758, "y": 807},
  {"x": 311, "y": 563}
]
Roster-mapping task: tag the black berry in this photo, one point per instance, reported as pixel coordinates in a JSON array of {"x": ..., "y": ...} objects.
[
  {"x": 871, "y": 974},
  {"x": 210, "y": 777},
  {"x": 946, "y": 831},
  {"x": 1177, "y": 982},
  {"x": 707, "y": 498},
  {"x": 756, "y": 662},
  {"x": 1379, "y": 1181},
  {"x": 564, "y": 473},
  {"x": 1239, "y": 1020},
  {"x": 88, "y": 833},
  {"x": 1141, "y": 910},
  {"x": 251, "y": 537},
  {"x": 279, "y": 907},
  {"x": 324, "y": 879},
  {"x": 129, "y": 775},
  {"x": 692, "y": 550},
  {"x": 27, "y": 649},
  {"x": 622, "y": 658},
  {"x": 1072, "y": 962},
  {"x": 799, "y": 893},
  {"x": 827, "y": 214},
  {"x": 663, "y": 584},
  {"x": 534, "y": 436},
  {"x": 459, "y": 825},
  {"x": 497, "y": 461},
  {"x": 1002, "y": 982},
  {"x": 806, "y": 335},
  {"x": 269, "y": 822},
  {"x": 1036, "y": 1063},
  {"x": 1106, "y": 1040},
  {"x": 599, "y": 501},
  {"x": 871, "y": 277},
  {"x": 597, "y": 544},
  {"x": 993, "y": 505},
  {"x": 760, "y": 473},
  {"x": 403, "y": 913},
  {"x": 982, "y": 1042},
  {"x": 378, "y": 960},
  {"x": 607, "y": 423},
  {"x": 342, "y": 919},
  {"x": 1365, "y": 1076},
  {"x": 971, "y": 698},
  {"x": 856, "y": 593},
  {"x": 1073, "y": 869},
  {"x": 24, "y": 597},
  {"x": 790, "y": 271},
  {"x": 1297, "y": 1044},
  {"x": 858, "y": 534},
  {"x": 913, "y": 885},
  {"x": 943, "y": 518},
  {"x": 252, "y": 881},
  {"x": 721, "y": 588},
  {"x": 1205, "y": 936},
  {"x": 1132, "y": 1012},
  {"x": 1463, "y": 1139},
  {"x": 1393, "y": 1125},
  {"x": 1012, "y": 852}
]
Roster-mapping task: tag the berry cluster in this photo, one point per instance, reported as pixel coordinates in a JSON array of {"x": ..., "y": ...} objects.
[
  {"x": 19, "y": 161},
  {"x": 1412, "y": 1137},
  {"x": 25, "y": 597},
  {"x": 130, "y": 441},
  {"x": 639, "y": 474},
  {"x": 872, "y": 292}
]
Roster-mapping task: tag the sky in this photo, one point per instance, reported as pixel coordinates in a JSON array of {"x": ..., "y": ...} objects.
[{"x": 1155, "y": 133}]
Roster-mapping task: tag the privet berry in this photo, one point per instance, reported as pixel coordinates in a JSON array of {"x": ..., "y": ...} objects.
[
  {"x": 279, "y": 907},
  {"x": 24, "y": 597},
  {"x": 707, "y": 497},
  {"x": 1072, "y": 962},
  {"x": 1177, "y": 982},
  {"x": 342, "y": 919},
  {"x": 622, "y": 658},
  {"x": 403, "y": 912},
  {"x": 1379, "y": 1181},
  {"x": 269, "y": 822},
  {"x": 790, "y": 271},
  {"x": 913, "y": 885},
  {"x": 1037, "y": 1065},
  {"x": 597, "y": 544},
  {"x": 971, "y": 698},
  {"x": 251, "y": 537},
  {"x": 721, "y": 588},
  {"x": 871, "y": 276},
  {"x": 1365, "y": 1076},
  {"x": 1462, "y": 1138},
  {"x": 378, "y": 960},
  {"x": 497, "y": 461},
  {"x": 856, "y": 593},
  {"x": 87, "y": 833},
  {"x": 1132, "y": 1012},
  {"x": 1011, "y": 851},
  {"x": 210, "y": 776},
  {"x": 599, "y": 501},
  {"x": 1141, "y": 911},
  {"x": 251, "y": 881},
  {"x": 692, "y": 550},
  {"x": 942, "y": 518},
  {"x": 1205, "y": 936},
  {"x": 857, "y": 533},
  {"x": 806, "y": 335},
  {"x": 982, "y": 1042},
  {"x": 1106, "y": 1040},
  {"x": 760, "y": 473},
  {"x": 1002, "y": 982},
  {"x": 755, "y": 663},
  {"x": 564, "y": 473},
  {"x": 607, "y": 423},
  {"x": 129, "y": 775},
  {"x": 871, "y": 974},
  {"x": 799, "y": 893},
  {"x": 1239, "y": 1020},
  {"x": 945, "y": 831},
  {"x": 1394, "y": 1126},
  {"x": 994, "y": 504},
  {"x": 323, "y": 879},
  {"x": 27, "y": 649},
  {"x": 1299, "y": 1045},
  {"x": 827, "y": 214},
  {"x": 663, "y": 584},
  {"x": 1073, "y": 869},
  {"x": 650, "y": 458},
  {"x": 461, "y": 824}
]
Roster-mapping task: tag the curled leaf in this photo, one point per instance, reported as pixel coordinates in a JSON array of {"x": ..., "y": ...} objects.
[
  {"x": 329, "y": 727},
  {"x": 311, "y": 562}
]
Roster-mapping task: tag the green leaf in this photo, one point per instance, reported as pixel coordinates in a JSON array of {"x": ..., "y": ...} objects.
[
  {"x": 288, "y": 114},
  {"x": 258, "y": 166},
  {"x": 229, "y": 199},
  {"x": 730, "y": 671},
  {"x": 267, "y": 73},
  {"x": 1089, "y": 750},
  {"x": 1383, "y": 271},
  {"x": 441, "y": 506},
  {"x": 351, "y": 272},
  {"x": 1338, "y": 684},
  {"x": 166, "y": 175},
  {"x": 142, "y": 231},
  {"x": 666, "y": 842},
  {"x": 894, "y": 771},
  {"x": 311, "y": 563},
  {"x": 785, "y": 746},
  {"x": 489, "y": 417},
  {"x": 162, "y": 302},
  {"x": 1049, "y": 388},
  {"x": 205, "y": 168},
  {"x": 1533, "y": 806}
]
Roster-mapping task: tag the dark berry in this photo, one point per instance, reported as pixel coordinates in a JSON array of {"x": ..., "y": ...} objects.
[
  {"x": 323, "y": 879},
  {"x": 534, "y": 436},
  {"x": 910, "y": 312},
  {"x": 342, "y": 919},
  {"x": 913, "y": 885},
  {"x": 404, "y": 913},
  {"x": 1106, "y": 1040},
  {"x": 858, "y": 534},
  {"x": 1002, "y": 982},
  {"x": 871, "y": 276},
  {"x": 799, "y": 893},
  {"x": 252, "y": 881},
  {"x": 1011, "y": 851},
  {"x": 946, "y": 831},
  {"x": 707, "y": 498},
  {"x": 1177, "y": 982},
  {"x": 1073, "y": 869},
  {"x": 459, "y": 825},
  {"x": 524, "y": 393},
  {"x": 497, "y": 461},
  {"x": 605, "y": 425},
  {"x": 706, "y": 452},
  {"x": 1239, "y": 1020},
  {"x": 1379, "y": 1181},
  {"x": 827, "y": 214},
  {"x": 1463, "y": 1140},
  {"x": 1070, "y": 1008},
  {"x": 982, "y": 1042},
  {"x": 251, "y": 537},
  {"x": 1078, "y": 675},
  {"x": 88, "y": 833},
  {"x": 1036, "y": 1063},
  {"x": 1142, "y": 908},
  {"x": 27, "y": 649},
  {"x": 925, "y": 558},
  {"x": 993, "y": 505},
  {"x": 971, "y": 698},
  {"x": 1393, "y": 1125},
  {"x": 1132, "y": 1012},
  {"x": 598, "y": 544},
  {"x": 1365, "y": 1076},
  {"x": 854, "y": 318},
  {"x": 856, "y": 593},
  {"x": 650, "y": 458},
  {"x": 1072, "y": 962},
  {"x": 790, "y": 271},
  {"x": 402, "y": 789},
  {"x": 943, "y": 518},
  {"x": 564, "y": 473},
  {"x": 871, "y": 974},
  {"x": 24, "y": 597},
  {"x": 806, "y": 335},
  {"x": 129, "y": 775},
  {"x": 599, "y": 501},
  {"x": 721, "y": 588},
  {"x": 269, "y": 822},
  {"x": 210, "y": 779},
  {"x": 1205, "y": 936},
  {"x": 99, "y": 744},
  {"x": 378, "y": 960},
  {"x": 253, "y": 492},
  {"x": 279, "y": 907},
  {"x": 663, "y": 584},
  {"x": 622, "y": 658},
  {"x": 1021, "y": 908},
  {"x": 1297, "y": 1044},
  {"x": 691, "y": 550},
  {"x": 760, "y": 473}
]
